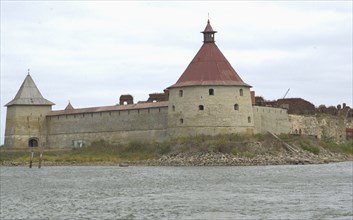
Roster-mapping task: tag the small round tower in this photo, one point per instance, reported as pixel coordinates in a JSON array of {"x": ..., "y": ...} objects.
[
  {"x": 25, "y": 117},
  {"x": 210, "y": 97}
]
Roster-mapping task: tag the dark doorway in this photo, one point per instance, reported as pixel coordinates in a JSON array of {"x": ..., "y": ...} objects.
[{"x": 33, "y": 142}]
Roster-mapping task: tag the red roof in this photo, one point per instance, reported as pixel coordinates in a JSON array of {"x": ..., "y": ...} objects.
[
  {"x": 209, "y": 28},
  {"x": 146, "y": 105},
  {"x": 209, "y": 67}
]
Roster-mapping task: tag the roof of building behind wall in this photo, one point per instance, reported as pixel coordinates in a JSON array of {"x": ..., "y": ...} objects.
[{"x": 29, "y": 94}]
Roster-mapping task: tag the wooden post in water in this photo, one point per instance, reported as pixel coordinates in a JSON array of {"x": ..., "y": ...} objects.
[
  {"x": 40, "y": 160},
  {"x": 31, "y": 160}
]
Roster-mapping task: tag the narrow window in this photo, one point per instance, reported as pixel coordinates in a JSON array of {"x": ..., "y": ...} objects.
[
  {"x": 211, "y": 92},
  {"x": 173, "y": 107},
  {"x": 241, "y": 92},
  {"x": 180, "y": 93},
  {"x": 181, "y": 121},
  {"x": 236, "y": 107},
  {"x": 249, "y": 119},
  {"x": 201, "y": 107}
]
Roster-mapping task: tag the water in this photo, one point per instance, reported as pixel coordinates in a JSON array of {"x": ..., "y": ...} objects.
[{"x": 259, "y": 192}]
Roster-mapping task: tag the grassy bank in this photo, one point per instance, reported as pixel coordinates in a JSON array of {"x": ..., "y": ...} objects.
[{"x": 239, "y": 145}]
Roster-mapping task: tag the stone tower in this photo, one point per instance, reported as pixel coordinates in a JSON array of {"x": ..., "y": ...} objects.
[
  {"x": 25, "y": 117},
  {"x": 209, "y": 98}
]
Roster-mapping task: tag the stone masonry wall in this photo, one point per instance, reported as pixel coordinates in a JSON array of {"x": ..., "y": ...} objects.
[
  {"x": 209, "y": 110},
  {"x": 113, "y": 126},
  {"x": 322, "y": 126},
  {"x": 24, "y": 123},
  {"x": 271, "y": 119}
]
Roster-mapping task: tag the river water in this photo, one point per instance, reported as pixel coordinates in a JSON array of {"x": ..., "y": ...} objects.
[{"x": 110, "y": 192}]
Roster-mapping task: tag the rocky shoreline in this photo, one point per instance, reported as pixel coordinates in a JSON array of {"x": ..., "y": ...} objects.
[
  {"x": 220, "y": 159},
  {"x": 211, "y": 159}
]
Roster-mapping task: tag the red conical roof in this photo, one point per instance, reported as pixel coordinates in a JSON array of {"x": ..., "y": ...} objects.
[
  {"x": 209, "y": 67},
  {"x": 208, "y": 28}
]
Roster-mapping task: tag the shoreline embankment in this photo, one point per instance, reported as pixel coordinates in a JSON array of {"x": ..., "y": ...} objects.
[
  {"x": 205, "y": 159},
  {"x": 221, "y": 150}
]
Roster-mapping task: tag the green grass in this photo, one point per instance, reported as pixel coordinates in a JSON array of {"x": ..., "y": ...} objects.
[
  {"x": 240, "y": 145},
  {"x": 345, "y": 148},
  {"x": 307, "y": 145}
]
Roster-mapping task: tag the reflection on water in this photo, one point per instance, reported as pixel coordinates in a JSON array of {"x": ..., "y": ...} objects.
[{"x": 259, "y": 192}]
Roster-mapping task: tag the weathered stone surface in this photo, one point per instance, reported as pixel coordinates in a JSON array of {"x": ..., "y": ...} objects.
[
  {"x": 193, "y": 110},
  {"x": 326, "y": 126},
  {"x": 114, "y": 126},
  {"x": 25, "y": 122}
]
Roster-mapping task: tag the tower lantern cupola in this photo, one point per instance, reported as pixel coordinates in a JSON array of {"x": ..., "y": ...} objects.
[{"x": 208, "y": 33}]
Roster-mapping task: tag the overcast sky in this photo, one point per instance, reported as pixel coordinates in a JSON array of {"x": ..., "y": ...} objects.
[{"x": 91, "y": 52}]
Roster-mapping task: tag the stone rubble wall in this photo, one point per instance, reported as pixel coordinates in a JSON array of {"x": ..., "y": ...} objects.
[{"x": 324, "y": 126}]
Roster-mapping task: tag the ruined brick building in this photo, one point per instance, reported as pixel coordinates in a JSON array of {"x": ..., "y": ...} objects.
[{"x": 209, "y": 98}]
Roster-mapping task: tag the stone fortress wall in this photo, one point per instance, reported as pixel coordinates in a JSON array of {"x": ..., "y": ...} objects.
[
  {"x": 151, "y": 124},
  {"x": 321, "y": 127},
  {"x": 271, "y": 119},
  {"x": 80, "y": 129},
  {"x": 210, "y": 110},
  {"x": 26, "y": 125},
  {"x": 161, "y": 121}
]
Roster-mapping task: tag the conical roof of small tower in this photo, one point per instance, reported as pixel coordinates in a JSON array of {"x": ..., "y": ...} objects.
[
  {"x": 29, "y": 94},
  {"x": 208, "y": 28},
  {"x": 69, "y": 107},
  {"x": 209, "y": 66}
]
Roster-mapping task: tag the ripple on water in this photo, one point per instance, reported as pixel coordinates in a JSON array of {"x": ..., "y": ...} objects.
[{"x": 286, "y": 192}]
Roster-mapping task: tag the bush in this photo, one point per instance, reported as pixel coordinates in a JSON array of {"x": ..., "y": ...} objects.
[
  {"x": 346, "y": 148},
  {"x": 163, "y": 148},
  {"x": 306, "y": 145}
]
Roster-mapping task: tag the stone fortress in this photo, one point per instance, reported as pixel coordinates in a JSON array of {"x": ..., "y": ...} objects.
[{"x": 209, "y": 98}]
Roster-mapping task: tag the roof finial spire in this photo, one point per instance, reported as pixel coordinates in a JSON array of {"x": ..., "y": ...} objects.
[
  {"x": 28, "y": 71},
  {"x": 208, "y": 33}
]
